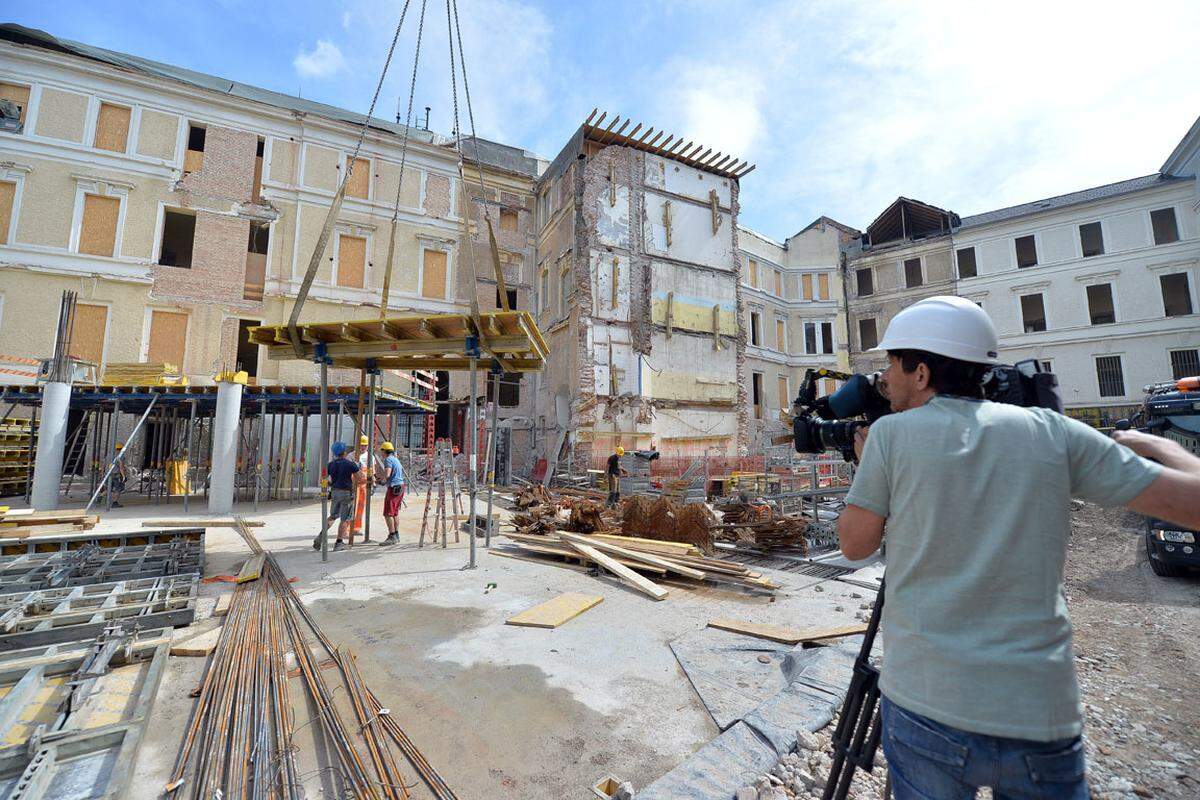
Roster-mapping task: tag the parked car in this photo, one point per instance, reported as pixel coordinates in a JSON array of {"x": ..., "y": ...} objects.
[{"x": 1171, "y": 409}]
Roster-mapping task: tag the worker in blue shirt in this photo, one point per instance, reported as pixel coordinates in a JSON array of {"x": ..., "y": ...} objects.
[
  {"x": 343, "y": 476},
  {"x": 394, "y": 480}
]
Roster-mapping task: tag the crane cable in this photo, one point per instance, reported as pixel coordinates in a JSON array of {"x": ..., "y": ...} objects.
[
  {"x": 323, "y": 240},
  {"x": 412, "y": 88}
]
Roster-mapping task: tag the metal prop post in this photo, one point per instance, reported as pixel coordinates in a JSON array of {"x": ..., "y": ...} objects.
[
  {"x": 323, "y": 360},
  {"x": 112, "y": 452},
  {"x": 473, "y": 361},
  {"x": 118, "y": 456},
  {"x": 187, "y": 473},
  {"x": 497, "y": 374},
  {"x": 370, "y": 423},
  {"x": 258, "y": 466}
]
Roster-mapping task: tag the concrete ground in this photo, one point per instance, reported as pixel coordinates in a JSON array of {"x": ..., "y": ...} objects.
[{"x": 500, "y": 711}]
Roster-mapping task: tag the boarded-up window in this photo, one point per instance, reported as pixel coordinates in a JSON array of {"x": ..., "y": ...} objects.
[
  {"x": 98, "y": 233},
  {"x": 359, "y": 183},
  {"x": 778, "y": 283},
  {"x": 806, "y": 283},
  {"x": 508, "y": 221},
  {"x": 753, "y": 273},
  {"x": 8, "y": 194},
  {"x": 112, "y": 128},
  {"x": 784, "y": 400},
  {"x": 18, "y": 96},
  {"x": 823, "y": 286},
  {"x": 87, "y": 332},
  {"x": 780, "y": 335},
  {"x": 433, "y": 274},
  {"x": 168, "y": 338},
  {"x": 352, "y": 261},
  {"x": 178, "y": 238}
]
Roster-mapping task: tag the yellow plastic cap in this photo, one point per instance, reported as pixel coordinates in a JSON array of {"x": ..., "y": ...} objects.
[
  {"x": 620, "y": 450},
  {"x": 387, "y": 446},
  {"x": 363, "y": 440}
]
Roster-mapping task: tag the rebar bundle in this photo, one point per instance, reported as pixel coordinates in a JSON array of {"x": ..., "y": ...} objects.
[{"x": 241, "y": 740}]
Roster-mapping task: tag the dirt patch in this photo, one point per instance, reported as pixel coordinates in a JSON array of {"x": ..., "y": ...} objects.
[{"x": 1136, "y": 653}]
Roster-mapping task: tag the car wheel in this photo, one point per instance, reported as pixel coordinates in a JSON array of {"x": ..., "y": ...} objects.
[{"x": 1161, "y": 568}]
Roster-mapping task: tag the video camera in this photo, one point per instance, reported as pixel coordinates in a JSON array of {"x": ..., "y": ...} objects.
[{"x": 829, "y": 422}]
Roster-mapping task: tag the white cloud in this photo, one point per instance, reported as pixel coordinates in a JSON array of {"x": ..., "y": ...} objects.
[
  {"x": 322, "y": 61},
  {"x": 346, "y": 20},
  {"x": 722, "y": 107}
]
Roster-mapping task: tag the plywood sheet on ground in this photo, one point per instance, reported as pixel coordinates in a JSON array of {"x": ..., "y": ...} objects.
[
  {"x": 777, "y": 633},
  {"x": 556, "y": 611}
]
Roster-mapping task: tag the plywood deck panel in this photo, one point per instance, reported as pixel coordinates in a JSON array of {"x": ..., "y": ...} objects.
[{"x": 556, "y": 611}]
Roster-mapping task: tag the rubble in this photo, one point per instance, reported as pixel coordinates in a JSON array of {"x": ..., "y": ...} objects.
[
  {"x": 758, "y": 524},
  {"x": 800, "y": 775}
]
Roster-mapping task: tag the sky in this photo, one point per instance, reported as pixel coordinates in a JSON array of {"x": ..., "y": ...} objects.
[{"x": 843, "y": 106}]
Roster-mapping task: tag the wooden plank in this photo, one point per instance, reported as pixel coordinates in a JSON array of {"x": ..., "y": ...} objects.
[
  {"x": 200, "y": 522},
  {"x": 252, "y": 569},
  {"x": 198, "y": 645},
  {"x": 776, "y": 633},
  {"x": 623, "y": 572},
  {"x": 556, "y": 611},
  {"x": 555, "y": 547},
  {"x": 222, "y": 606},
  {"x": 661, "y": 547},
  {"x": 645, "y": 558}
]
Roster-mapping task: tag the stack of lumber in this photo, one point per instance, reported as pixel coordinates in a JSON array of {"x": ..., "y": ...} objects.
[
  {"x": 133, "y": 373},
  {"x": 631, "y": 559},
  {"x": 22, "y": 522},
  {"x": 760, "y": 526}
]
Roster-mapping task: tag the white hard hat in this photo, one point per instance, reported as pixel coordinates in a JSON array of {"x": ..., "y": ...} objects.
[{"x": 946, "y": 325}]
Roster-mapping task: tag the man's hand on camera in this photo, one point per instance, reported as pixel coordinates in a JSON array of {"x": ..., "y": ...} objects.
[
  {"x": 1144, "y": 444},
  {"x": 860, "y": 441}
]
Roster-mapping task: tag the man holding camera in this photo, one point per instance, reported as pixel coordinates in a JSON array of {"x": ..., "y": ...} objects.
[{"x": 978, "y": 679}]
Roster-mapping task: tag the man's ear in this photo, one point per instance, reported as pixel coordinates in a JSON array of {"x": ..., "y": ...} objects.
[{"x": 923, "y": 375}]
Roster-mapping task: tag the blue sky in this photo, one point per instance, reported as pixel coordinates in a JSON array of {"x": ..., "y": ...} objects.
[{"x": 843, "y": 106}]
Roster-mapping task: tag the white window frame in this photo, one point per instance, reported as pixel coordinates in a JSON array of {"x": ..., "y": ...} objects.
[
  {"x": 1037, "y": 249},
  {"x": 147, "y": 316},
  {"x": 366, "y": 232},
  {"x": 423, "y": 244},
  {"x": 1176, "y": 269},
  {"x": 85, "y": 184},
  {"x": 343, "y": 160},
  {"x": 1046, "y": 363},
  {"x": 787, "y": 389},
  {"x": 93, "y": 120},
  {"x": 756, "y": 332},
  {"x": 108, "y": 306},
  {"x": 975, "y": 250},
  {"x": 1192, "y": 349},
  {"x": 14, "y": 173}
]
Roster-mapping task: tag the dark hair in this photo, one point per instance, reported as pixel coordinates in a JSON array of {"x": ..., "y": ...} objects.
[{"x": 946, "y": 375}]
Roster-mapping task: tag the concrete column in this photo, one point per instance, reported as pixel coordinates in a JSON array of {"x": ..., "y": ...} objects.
[
  {"x": 224, "y": 447},
  {"x": 51, "y": 441}
]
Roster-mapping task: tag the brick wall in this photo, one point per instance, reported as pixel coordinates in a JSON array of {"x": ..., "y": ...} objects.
[
  {"x": 228, "y": 171},
  {"x": 218, "y": 271}
]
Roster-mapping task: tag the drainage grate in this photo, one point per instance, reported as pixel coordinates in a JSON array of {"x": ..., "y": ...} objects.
[{"x": 797, "y": 566}]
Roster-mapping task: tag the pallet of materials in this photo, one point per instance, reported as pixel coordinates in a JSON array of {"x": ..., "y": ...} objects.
[
  {"x": 23, "y": 522},
  {"x": 133, "y": 373},
  {"x": 56, "y": 569}
]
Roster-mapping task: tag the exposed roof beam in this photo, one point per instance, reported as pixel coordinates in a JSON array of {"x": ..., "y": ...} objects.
[{"x": 588, "y": 121}]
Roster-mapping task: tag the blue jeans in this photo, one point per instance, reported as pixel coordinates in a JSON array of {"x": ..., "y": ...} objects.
[{"x": 932, "y": 761}]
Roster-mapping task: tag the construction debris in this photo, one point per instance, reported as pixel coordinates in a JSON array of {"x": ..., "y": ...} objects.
[
  {"x": 759, "y": 525},
  {"x": 555, "y": 612},
  {"x": 135, "y": 373},
  {"x": 24, "y": 522},
  {"x": 660, "y": 518},
  {"x": 777, "y": 633}
]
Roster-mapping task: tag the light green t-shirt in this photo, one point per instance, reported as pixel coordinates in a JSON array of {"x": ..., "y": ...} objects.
[{"x": 975, "y": 627}]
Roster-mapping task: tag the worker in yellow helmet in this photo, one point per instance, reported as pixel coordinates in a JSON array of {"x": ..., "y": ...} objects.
[
  {"x": 613, "y": 474},
  {"x": 394, "y": 480}
]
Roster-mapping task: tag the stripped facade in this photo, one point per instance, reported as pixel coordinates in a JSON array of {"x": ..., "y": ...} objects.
[{"x": 640, "y": 298}]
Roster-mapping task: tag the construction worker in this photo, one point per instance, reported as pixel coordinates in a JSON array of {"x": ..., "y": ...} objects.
[
  {"x": 613, "y": 473},
  {"x": 979, "y": 684},
  {"x": 343, "y": 476},
  {"x": 393, "y": 479},
  {"x": 119, "y": 477},
  {"x": 360, "y": 495}
]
